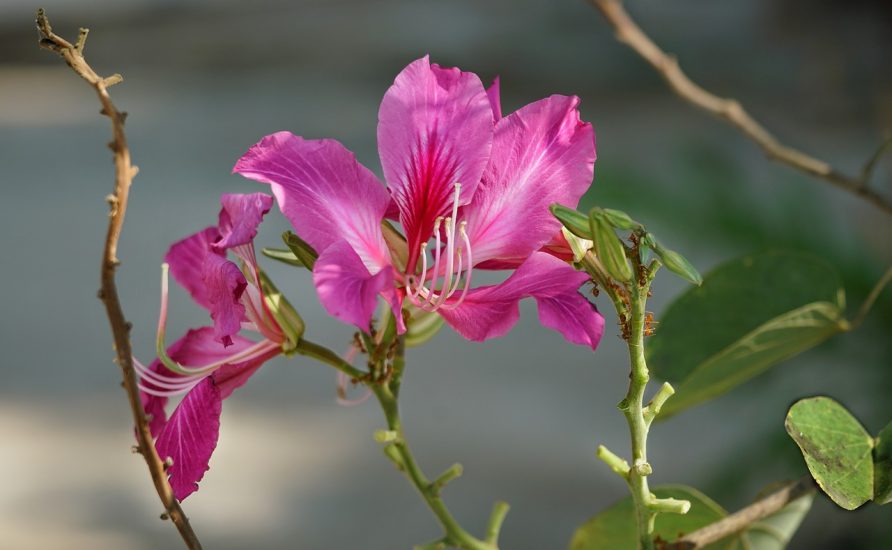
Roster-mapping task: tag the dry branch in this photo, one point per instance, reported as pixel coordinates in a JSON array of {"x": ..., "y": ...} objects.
[
  {"x": 731, "y": 111},
  {"x": 743, "y": 518},
  {"x": 120, "y": 327}
]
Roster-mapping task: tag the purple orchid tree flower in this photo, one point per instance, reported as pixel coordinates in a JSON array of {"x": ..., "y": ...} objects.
[
  {"x": 207, "y": 364},
  {"x": 471, "y": 190}
]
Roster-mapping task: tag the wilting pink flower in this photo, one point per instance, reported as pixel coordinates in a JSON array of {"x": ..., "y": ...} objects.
[
  {"x": 470, "y": 188},
  {"x": 207, "y": 364}
]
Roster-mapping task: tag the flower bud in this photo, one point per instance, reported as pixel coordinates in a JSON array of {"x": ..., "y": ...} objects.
[
  {"x": 609, "y": 248},
  {"x": 571, "y": 219}
]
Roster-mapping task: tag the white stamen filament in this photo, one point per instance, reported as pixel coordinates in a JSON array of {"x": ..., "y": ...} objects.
[{"x": 427, "y": 297}]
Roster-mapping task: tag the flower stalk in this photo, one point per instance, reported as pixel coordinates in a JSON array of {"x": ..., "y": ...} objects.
[
  {"x": 630, "y": 301},
  {"x": 384, "y": 381}
]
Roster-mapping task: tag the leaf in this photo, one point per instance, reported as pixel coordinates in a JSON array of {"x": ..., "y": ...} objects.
[
  {"x": 775, "y": 531},
  {"x": 282, "y": 255},
  {"x": 836, "y": 447},
  {"x": 882, "y": 466},
  {"x": 750, "y": 314},
  {"x": 615, "y": 528}
]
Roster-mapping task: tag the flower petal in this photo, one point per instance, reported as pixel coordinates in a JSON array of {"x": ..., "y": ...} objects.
[
  {"x": 542, "y": 154},
  {"x": 323, "y": 191},
  {"x": 346, "y": 288},
  {"x": 434, "y": 129},
  {"x": 491, "y": 311},
  {"x": 495, "y": 99},
  {"x": 225, "y": 283},
  {"x": 231, "y": 377},
  {"x": 186, "y": 260},
  {"x": 190, "y": 437},
  {"x": 195, "y": 349},
  {"x": 239, "y": 218}
]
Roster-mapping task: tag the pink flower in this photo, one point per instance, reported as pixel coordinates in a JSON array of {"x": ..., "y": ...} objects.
[
  {"x": 207, "y": 364},
  {"x": 471, "y": 190}
]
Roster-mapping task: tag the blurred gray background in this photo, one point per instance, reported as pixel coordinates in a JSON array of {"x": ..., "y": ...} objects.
[{"x": 206, "y": 79}]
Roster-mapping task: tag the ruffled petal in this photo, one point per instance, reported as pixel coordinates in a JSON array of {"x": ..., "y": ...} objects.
[
  {"x": 186, "y": 260},
  {"x": 240, "y": 217},
  {"x": 225, "y": 284},
  {"x": 190, "y": 437},
  {"x": 491, "y": 311},
  {"x": 495, "y": 99},
  {"x": 346, "y": 288},
  {"x": 324, "y": 192},
  {"x": 542, "y": 154},
  {"x": 195, "y": 349},
  {"x": 434, "y": 129}
]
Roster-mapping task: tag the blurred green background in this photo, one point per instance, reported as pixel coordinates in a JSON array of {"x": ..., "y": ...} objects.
[{"x": 205, "y": 79}]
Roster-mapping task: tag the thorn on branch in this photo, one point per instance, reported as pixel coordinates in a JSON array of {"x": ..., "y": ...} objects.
[
  {"x": 110, "y": 81},
  {"x": 81, "y": 41}
]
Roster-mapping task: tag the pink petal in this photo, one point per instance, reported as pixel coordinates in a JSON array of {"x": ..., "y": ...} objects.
[
  {"x": 491, "y": 311},
  {"x": 239, "y": 218},
  {"x": 231, "y": 377},
  {"x": 186, "y": 259},
  {"x": 346, "y": 288},
  {"x": 225, "y": 283},
  {"x": 541, "y": 154},
  {"x": 190, "y": 437},
  {"x": 196, "y": 348},
  {"x": 495, "y": 99},
  {"x": 434, "y": 129},
  {"x": 325, "y": 193}
]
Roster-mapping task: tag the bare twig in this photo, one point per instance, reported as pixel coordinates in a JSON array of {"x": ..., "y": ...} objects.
[
  {"x": 731, "y": 111},
  {"x": 124, "y": 174},
  {"x": 740, "y": 520}
]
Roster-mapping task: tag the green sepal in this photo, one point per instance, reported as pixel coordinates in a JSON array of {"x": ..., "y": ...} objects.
[
  {"x": 284, "y": 313},
  {"x": 571, "y": 219},
  {"x": 396, "y": 243},
  {"x": 423, "y": 326},
  {"x": 609, "y": 248},
  {"x": 301, "y": 249},
  {"x": 674, "y": 262},
  {"x": 282, "y": 255}
]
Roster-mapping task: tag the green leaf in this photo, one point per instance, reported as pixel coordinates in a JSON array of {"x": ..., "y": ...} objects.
[
  {"x": 836, "y": 447},
  {"x": 775, "y": 531},
  {"x": 574, "y": 221},
  {"x": 301, "y": 249},
  {"x": 882, "y": 466},
  {"x": 750, "y": 314},
  {"x": 282, "y": 255},
  {"x": 615, "y": 527}
]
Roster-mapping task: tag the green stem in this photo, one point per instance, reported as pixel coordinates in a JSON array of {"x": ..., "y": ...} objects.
[
  {"x": 402, "y": 455},
  {"x": 634, "y": 411},
  {"x": 871, "y": 298},
  {"x": 397, "y": 449}
]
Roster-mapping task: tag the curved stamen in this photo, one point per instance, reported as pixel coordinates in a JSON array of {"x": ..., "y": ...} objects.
[
  {"x": 413, "y": 279},
  {"x": 429, "y": 297},
  {"x": 470, "y": 269}
]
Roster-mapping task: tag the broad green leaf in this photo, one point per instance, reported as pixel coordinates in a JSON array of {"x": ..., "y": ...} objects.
[
  {"x": 775, "y": 531},
  {"x": 282, "y": 255},
  {"x": 882, "y": 465},
  {"x": 749, "y": 314},
  {"x": 615, "y": 528},
  {"x": 836, "y": 447}
]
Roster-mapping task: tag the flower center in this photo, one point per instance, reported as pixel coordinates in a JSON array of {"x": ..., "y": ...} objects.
[{"x": 423, "y": 292}]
